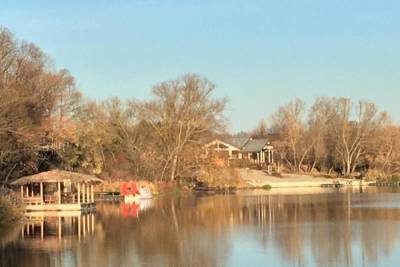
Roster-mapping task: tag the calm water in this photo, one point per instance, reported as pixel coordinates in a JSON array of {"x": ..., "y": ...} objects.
[{"x": 248, "y": 229}]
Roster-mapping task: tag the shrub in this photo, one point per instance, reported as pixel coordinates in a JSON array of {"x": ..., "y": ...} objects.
[{"x": 10, "y": 210}]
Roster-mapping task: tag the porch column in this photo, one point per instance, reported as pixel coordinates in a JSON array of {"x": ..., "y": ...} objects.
[
  {"x": 27, "y": 191},
  {"x": 22, "y": 192},
  {"x": 59, "y": 192},
  {"x": 91, "y": 193},
  {"x": 258, "y": 158},
  {"x": 83, "y": 193},
  {"x": 79, "y": 193},
  {"x": 272, "y": 156},
  {"x": 269, "y": 156},
  {"x": 41, "y": 193}
]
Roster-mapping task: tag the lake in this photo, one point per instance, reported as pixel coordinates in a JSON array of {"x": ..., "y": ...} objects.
[{"x": 316, "y": 227}]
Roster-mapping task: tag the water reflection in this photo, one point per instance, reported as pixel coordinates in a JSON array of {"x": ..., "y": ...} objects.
[
  {"x": 330, "y": 229},
  {"x": 133, "y": 209},
  {"x": 46, "y": 231},
  {"x": 44, "y": 239}
]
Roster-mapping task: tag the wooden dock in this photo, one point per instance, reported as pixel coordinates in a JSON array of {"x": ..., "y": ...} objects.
[
  {"x": 347, "y": 183},
  {"x": 333, "y": 185}
]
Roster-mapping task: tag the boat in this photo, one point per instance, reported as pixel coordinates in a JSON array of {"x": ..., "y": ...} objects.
[
  {"x": 132, "y": 193},
  {"x": 143, "y": 193}
]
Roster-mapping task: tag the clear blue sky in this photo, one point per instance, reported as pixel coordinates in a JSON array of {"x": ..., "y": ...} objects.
[{"x": 260, "y": 54}]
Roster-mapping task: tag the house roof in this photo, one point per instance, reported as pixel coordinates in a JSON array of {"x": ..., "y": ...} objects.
[
  {"x": 246, "y": 144},
  {"x": 57, "y": 176},
  {"x": 255, "y": 145},
  {"x": 238, "y": 142}
]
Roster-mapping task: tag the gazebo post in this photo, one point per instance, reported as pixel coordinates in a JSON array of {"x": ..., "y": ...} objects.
[
  {"x": 27, "y": 191},
  {"x": 91, "y": 193},
  {"x": 22, "y": 192},
  {"x": 83, "y": 194},
  {"x": 41, "y": 192},
  {"x": 88, "y": 194},
  {"x": 79, "y": 193},
  {"x": 59, "y": 192}
]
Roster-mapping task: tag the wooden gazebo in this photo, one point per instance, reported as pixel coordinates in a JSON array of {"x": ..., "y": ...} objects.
[{"x": 57, "y": 191}]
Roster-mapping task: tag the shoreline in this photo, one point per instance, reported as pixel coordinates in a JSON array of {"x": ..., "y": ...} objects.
[{"x": 258, "y": 179}]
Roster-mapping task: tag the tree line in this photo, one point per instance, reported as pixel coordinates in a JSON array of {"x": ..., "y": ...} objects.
[
  {"x": 334, "y": 136},
  {"x": 45, "y": 122}
]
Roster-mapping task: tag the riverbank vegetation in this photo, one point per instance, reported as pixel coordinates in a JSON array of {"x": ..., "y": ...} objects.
[
  {"x": 46, "y": 123},
  {"x": 336, "y": 136},
  {"x": 10, "y": 210}
]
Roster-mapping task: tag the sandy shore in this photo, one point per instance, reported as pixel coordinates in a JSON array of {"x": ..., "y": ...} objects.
[{"x": 260, "y": 178}]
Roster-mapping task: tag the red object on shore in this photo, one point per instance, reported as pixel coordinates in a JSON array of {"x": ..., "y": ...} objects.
[{"x": 129, "y": 188}]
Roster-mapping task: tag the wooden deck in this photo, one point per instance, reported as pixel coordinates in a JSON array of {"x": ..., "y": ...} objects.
[{"x": 40, "y": 215}]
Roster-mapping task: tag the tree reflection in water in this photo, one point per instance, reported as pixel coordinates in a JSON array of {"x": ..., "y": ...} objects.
[{"x": 334, "y": 229}]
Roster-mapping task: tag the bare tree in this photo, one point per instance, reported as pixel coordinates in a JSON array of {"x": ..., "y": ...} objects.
[
  {"x": 180, "y": 113},
  {"x": 288, "y": 123},
  {"x": 353, "y": 125},
  {"x": 314, "y": 139},
  {"x": 384, "y": 156}
]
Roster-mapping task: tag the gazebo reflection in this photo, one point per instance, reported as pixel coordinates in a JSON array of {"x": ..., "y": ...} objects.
[{"x": 56, "y": 231}]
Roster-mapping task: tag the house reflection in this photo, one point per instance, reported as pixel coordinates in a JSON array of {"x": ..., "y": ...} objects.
[{"x": 56, "y": 230}]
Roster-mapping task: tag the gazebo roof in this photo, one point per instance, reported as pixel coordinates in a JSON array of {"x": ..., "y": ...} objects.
[{"x": 57, "y": 176}]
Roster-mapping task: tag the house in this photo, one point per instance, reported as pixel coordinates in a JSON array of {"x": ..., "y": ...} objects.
[{"x": 258, "y": 151}]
